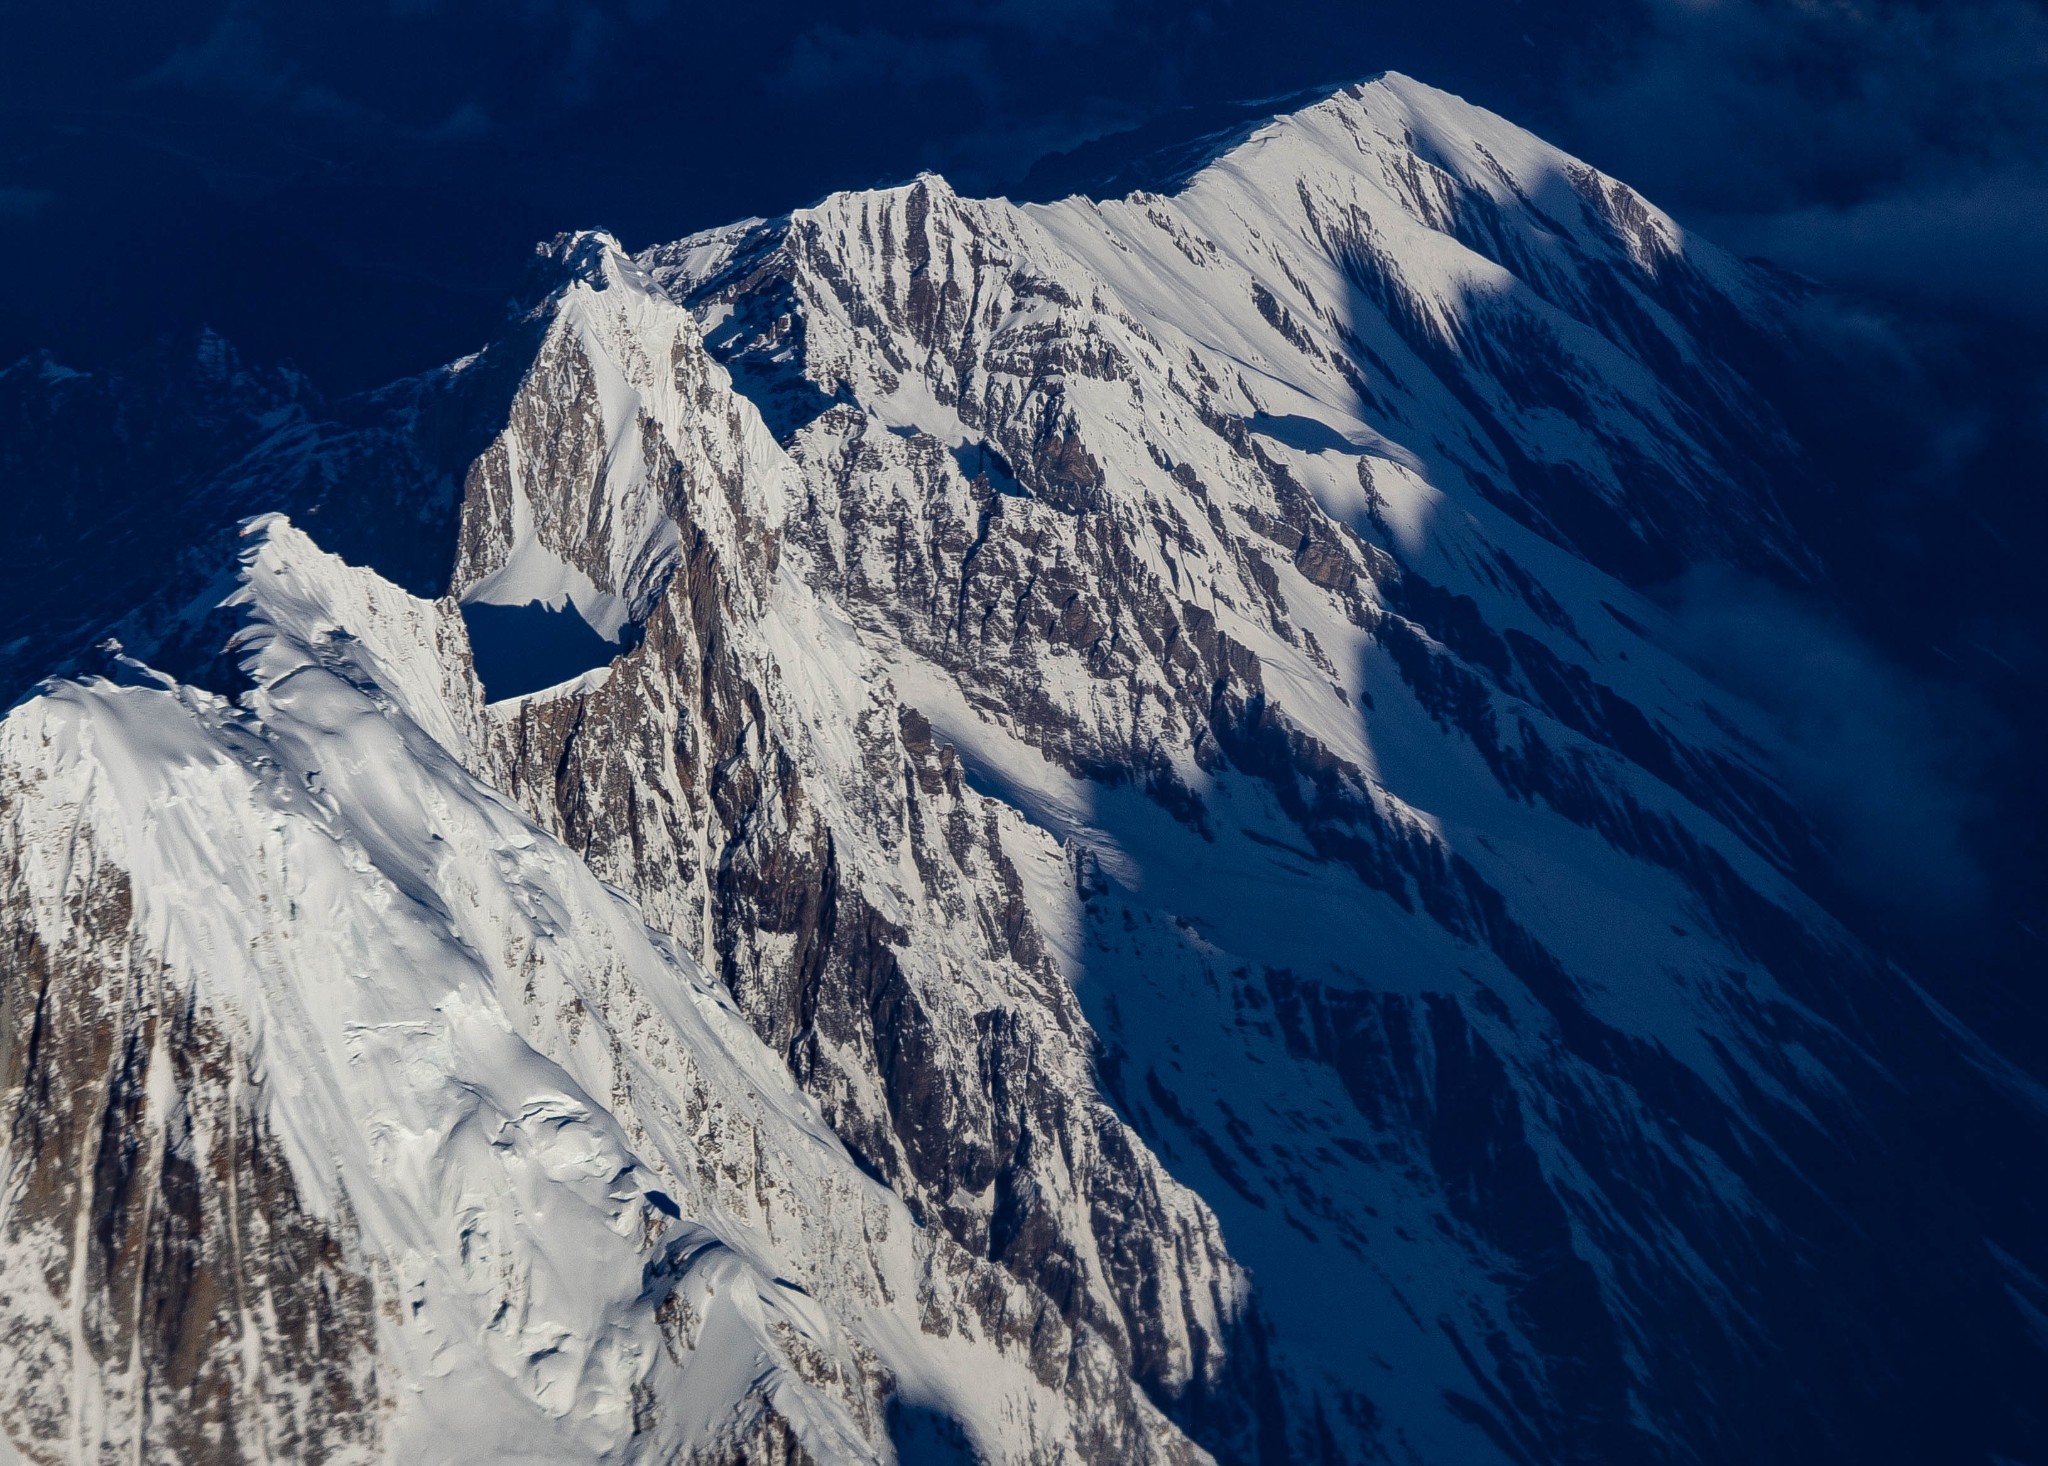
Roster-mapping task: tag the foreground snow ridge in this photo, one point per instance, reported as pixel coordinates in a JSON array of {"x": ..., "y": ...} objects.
[
  {"x": 1140, "y": 881},
  {"x": 477, "y": 1064}
]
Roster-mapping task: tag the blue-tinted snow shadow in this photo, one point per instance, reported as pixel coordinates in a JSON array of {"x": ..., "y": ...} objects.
[
  {"x": 1310, "y": 435},
  {"x": 925, "y": 1436},
  {"x": 522, "y": 649}
]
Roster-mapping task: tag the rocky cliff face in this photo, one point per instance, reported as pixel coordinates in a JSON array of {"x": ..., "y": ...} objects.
[{"x": 1136, "y": 874}]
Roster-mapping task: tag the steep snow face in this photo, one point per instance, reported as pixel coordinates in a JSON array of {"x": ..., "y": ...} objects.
[
  {"x": 1129, "y": 725},
  {"x": 1391, "y": 268}
]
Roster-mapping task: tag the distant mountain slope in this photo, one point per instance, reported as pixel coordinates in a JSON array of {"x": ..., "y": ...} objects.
[{"x": 1128, "y": 872}]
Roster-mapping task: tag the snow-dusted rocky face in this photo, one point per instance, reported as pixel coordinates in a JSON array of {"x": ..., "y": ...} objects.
[{"x": 1137, "y": 879}]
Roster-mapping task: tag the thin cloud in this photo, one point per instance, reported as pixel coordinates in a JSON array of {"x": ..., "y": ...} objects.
[
  {"x": 1869, "y": 142},
  {"x": 1976, "y": 242},
  {"x": 1887, "y": 766}
]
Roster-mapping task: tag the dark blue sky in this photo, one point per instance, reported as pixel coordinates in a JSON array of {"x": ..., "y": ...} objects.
[{"x": 356, "y": 186}]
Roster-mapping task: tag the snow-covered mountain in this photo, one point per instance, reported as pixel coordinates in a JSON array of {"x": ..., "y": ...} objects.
[{"x": 943, "y": 830}]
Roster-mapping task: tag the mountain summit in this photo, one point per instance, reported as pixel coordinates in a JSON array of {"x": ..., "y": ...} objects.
[{"x": 938, "y": 829}]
